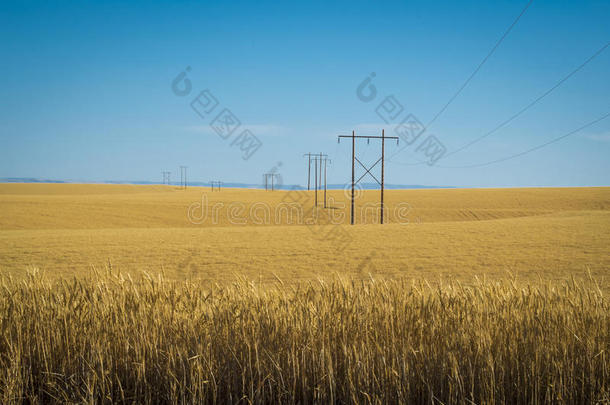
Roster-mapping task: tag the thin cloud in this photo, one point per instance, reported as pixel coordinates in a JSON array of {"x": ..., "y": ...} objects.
[
  {"x": 373, "y": 128},
  {"x": 256, "y": 129},
  {"x": 603, "y": 137},
  {"x": 361, "y": 129}
]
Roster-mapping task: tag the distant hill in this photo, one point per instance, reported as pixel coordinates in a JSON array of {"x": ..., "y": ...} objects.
[
  {"x": 28, "y": 180},
  {"x": 365, "y": 186}
]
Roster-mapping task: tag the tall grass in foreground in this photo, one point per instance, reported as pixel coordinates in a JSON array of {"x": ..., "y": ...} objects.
[{"x": 154, "y": 341}]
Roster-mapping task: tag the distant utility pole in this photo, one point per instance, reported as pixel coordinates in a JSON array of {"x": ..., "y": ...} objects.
[
  {"x": 166, "y": 177},
  {"x": 272, "y": 176},
  {"x": 368, "y": 170},
  {"x": 326, "y": 160},
  {"x": 309, "y": 159},
  {"x": 183, "y": 176},
  {"x": 320, "y": 172},
  {"x": 308, "y": 169},
  {"x": 317, "y": 164},
  {"x": 215, "y": 183}
]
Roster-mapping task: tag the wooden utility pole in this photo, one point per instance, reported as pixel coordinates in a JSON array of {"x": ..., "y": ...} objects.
[
  {"x": 217, "y": 183},
  {"x": 166, "y": 177},
  {"x": 309, "y": 172},
  {"x": 310, "y": 157},
  {"x": 325, "y": 161},
  {"x": 353, "y": 162},
  {"x": 315, "y": 163},
  {"x": 308, "y": 169},
  {"x": 320, "y": 174},
  {"x": 368, "y": 170},
  {"x": 382, "y": 169},
  {"x": 267, "y": 175}
]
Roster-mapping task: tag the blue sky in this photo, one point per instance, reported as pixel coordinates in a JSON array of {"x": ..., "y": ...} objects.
[{"x": 87, "y": 88}]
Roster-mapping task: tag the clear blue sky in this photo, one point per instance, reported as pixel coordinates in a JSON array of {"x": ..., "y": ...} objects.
[{"x": 86, "y": 88}]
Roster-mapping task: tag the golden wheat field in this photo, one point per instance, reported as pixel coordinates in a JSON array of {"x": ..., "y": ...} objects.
[
  {"x": 154, "y": 294},
  {"x": 119, "y": 339},
  {"x": 65, "y": 229}
]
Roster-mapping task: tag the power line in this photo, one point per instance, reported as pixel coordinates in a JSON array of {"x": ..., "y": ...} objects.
[
  {"x": 530, "y": 105},
  {"x": 481, "y": 64},
  {"x": 457, "y": 93},
  {"x": 518, "y": 113},
  {"x": 531, "y": 149}
]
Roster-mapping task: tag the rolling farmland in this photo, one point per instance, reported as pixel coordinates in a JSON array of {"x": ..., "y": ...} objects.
[
  {"x": 65, "y": 229},
  {"x": 137, "y": 294}
]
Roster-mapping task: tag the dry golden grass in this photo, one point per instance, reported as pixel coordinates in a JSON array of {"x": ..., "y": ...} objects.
[
  {"x": 97, "y": 206},
  {"x": 110, "y": 339},
  {"x": 292, "y": 330},
  {"x": 533, "y": 233}
]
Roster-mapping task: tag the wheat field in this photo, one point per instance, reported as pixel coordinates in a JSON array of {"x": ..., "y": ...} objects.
[
  {"x": 66, "y": 229},
  {"x": 112, "y": 339},
  {"x": 131, "y": 294}
]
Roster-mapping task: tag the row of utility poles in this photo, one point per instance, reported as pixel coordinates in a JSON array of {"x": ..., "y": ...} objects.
[
  {"x": 319, "y": 160},
  {"x": 215, "y": 184},
  {"x": 183, "y": 177}
]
